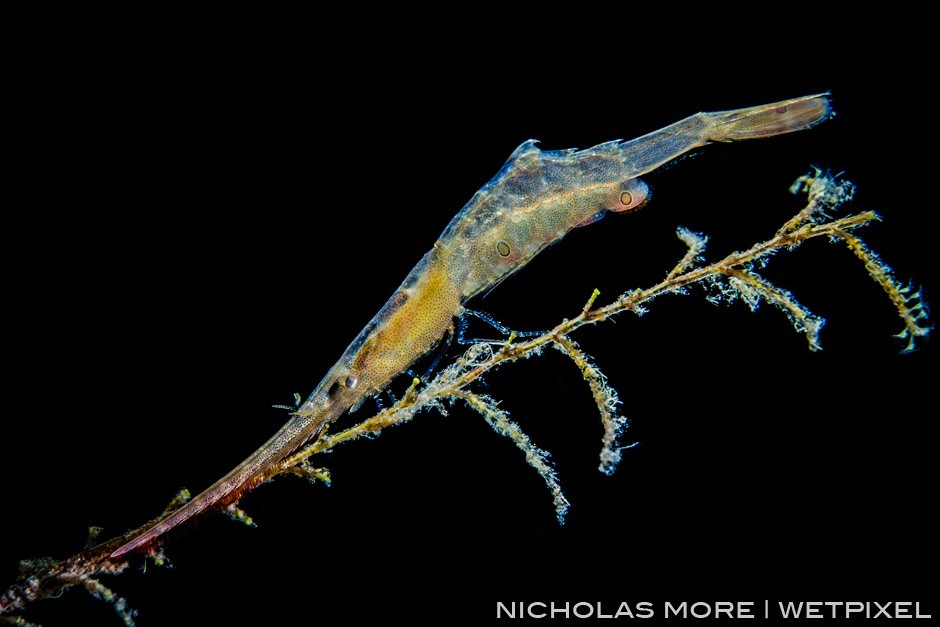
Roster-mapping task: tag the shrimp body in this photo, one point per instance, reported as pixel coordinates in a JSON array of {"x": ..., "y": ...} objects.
[{"x": 533, "y": 201}]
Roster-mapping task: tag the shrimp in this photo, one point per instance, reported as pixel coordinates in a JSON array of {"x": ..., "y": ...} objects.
[{"x": 533, "y": 201}]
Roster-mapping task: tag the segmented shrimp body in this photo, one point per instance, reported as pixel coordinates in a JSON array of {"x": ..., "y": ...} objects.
[{"x": 534, "y": 200}]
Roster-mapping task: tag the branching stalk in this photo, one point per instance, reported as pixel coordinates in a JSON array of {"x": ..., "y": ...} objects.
[{"x": 732, "y": 277}]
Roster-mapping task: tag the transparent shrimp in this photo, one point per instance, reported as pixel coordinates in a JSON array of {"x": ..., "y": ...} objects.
[{"x": 533, "y": 201}]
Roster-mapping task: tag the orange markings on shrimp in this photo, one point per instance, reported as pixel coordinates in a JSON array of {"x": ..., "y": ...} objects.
[{"x": 533, "y": 201}]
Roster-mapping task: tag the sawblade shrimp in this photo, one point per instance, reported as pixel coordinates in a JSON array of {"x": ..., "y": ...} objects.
[{"x": 533, "y": 201}]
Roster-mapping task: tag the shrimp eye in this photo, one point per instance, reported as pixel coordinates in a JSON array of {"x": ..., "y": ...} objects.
[
  {"x": 351, "y": 382},
  {"x": 503, "y": 249},
  {"x": 633, "y": 197}
]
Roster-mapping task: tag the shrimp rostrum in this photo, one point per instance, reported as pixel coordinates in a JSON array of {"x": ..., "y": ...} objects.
[{"x": 534, "y": 200}]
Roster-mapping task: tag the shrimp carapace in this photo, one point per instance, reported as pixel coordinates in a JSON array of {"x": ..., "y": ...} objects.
[{"x": 533, "y": 201}]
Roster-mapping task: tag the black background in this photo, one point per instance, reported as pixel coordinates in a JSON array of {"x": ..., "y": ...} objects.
[{"x": 203, "y": 215}]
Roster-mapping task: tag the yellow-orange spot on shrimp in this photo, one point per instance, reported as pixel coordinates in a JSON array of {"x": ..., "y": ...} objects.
[
  {"x": 503, "y": 249},
  {"x": 633, "y": 194}
]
